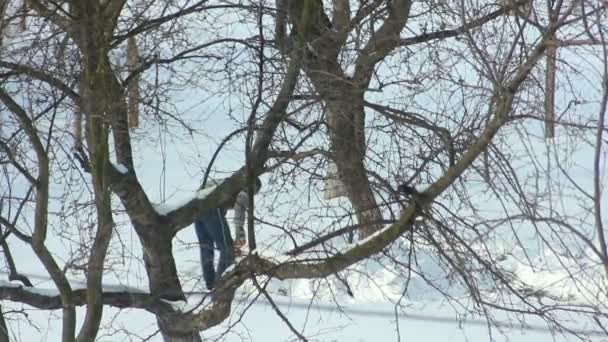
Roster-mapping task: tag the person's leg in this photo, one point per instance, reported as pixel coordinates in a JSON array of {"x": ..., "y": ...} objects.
[
  {"x": 227, "y": 255},
  {"x": 205, "y": 240},
  {"x": 223, "y": 241}
]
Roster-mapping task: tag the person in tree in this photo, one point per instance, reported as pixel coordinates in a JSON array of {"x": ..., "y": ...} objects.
[{"x": 213, "y": 231}]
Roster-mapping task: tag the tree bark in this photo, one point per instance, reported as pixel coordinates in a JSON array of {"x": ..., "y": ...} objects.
[
  {"x": 347, "y": 124},
  {"x": 346, "y": 118},
  {"x": 163, "y": 280}
]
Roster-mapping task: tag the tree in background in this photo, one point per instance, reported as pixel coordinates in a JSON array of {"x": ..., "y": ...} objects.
[{"x": 434, "y": 114}]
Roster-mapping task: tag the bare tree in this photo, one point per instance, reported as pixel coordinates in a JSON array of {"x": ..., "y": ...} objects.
[{"x": 429, "y": 110}]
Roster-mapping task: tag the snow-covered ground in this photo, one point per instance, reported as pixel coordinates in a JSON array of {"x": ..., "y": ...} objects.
[{"x": 256, "y": 320}]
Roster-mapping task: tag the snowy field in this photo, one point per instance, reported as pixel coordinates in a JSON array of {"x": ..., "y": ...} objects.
[{"x": 354, "y": 322}]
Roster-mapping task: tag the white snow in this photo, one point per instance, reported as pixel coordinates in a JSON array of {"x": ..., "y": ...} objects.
[
  {"x": 166, "y": 208},
  {"x": 350, "y": 70},
  {"x": 121, "y": 168},
  {"x": 34, "y": 290},
  {"x": 45, "y": 290},
  {"x": 366, "y": 240},
  {"x": 5, "y": 283},
  {"x": 42, "y": 291},
  {"x": 200, "y": 194},
  {"x": 230, "y": 268}
]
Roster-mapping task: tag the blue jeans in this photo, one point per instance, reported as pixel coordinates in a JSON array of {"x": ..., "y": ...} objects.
[{"x": 213, "y": 232}]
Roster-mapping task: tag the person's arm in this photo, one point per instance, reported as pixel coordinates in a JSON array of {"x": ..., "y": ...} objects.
[{"x": 240, "y": 211}]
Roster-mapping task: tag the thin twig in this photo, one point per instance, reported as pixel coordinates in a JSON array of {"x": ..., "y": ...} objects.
[{"x": 277, "y": 310}]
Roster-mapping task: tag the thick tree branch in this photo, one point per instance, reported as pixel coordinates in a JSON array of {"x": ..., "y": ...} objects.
[{"x": 42, "y": 301}]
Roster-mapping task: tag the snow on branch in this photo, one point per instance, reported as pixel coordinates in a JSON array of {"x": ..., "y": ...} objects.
[
  {"x": 49, "y": 299},
  {"x": 166, "y": 208},
  {"x": 121, "y": 168}
]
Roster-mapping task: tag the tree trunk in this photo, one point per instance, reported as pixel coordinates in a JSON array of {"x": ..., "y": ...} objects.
[
  {"x": 162, "y": 277},
  {"x": 347, "y": 123},
  {"x": 160, "y": 267},
  {"x": 346, "y": 119}
]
